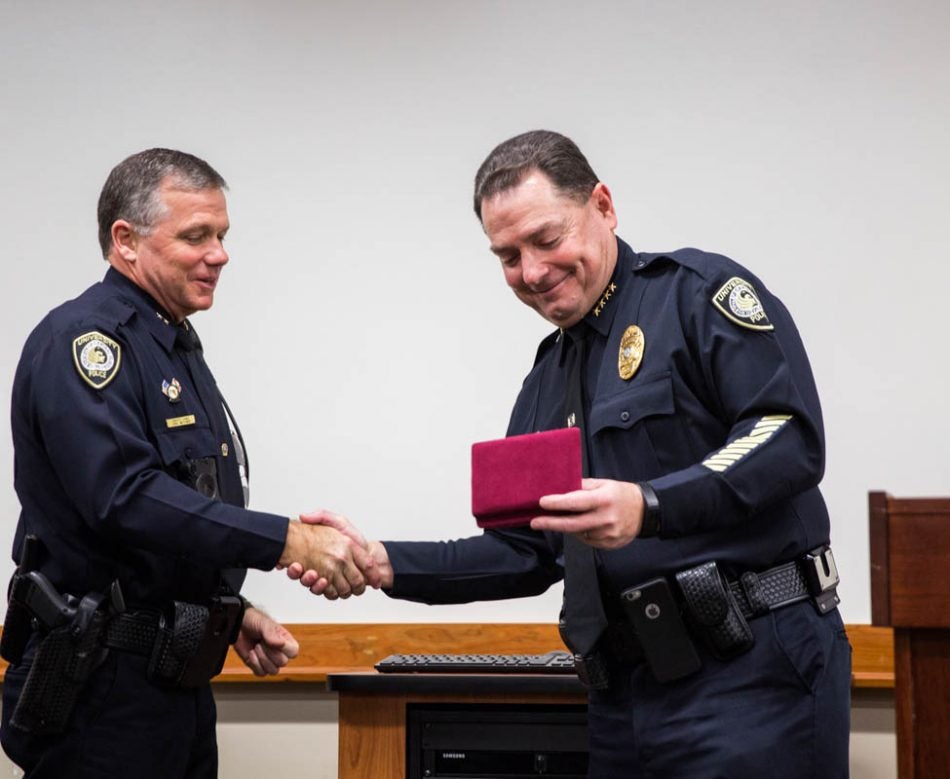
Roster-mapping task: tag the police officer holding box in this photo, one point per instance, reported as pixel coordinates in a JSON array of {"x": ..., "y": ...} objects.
[
  {"x": 700, "y": 595},
  {"x": 132, "y": 476}
]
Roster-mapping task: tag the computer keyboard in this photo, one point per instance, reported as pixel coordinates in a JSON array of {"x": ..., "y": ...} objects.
[{"x": 557, "y": 662}]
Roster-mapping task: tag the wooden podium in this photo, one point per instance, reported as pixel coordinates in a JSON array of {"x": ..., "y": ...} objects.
[{"x": 910, "y": 591}]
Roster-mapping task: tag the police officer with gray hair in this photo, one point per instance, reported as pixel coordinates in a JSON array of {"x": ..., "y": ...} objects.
[
  {"x": 700, "y": 590},
  {"x": 132, "y": 475}
]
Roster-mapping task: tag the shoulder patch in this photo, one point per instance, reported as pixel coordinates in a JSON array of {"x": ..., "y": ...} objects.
[
  {"x": 738, "y": 301},
  {"x": 97, "y": 358}
]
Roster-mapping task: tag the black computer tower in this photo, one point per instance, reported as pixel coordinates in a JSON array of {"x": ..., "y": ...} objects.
[{"x": 496, "y": 741}]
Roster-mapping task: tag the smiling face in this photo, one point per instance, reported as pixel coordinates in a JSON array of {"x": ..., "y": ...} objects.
[
  {"x": 179, "y": 262},
  {"x": 557, "y": 253}
]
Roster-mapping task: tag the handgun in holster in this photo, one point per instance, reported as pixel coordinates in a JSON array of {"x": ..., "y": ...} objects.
[
  {"x": 18, "y": 623},
  {"x": 67, "y": 652}
]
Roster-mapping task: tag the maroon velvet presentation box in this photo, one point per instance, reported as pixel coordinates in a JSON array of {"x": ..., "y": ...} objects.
[{"x": 510, "y": 475}]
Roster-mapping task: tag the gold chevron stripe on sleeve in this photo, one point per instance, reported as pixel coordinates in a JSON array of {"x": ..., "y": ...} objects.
[{"x": 730, "y": 454}]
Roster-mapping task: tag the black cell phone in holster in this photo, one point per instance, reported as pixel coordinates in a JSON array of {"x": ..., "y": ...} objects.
[{"x": 655, "y": 615}]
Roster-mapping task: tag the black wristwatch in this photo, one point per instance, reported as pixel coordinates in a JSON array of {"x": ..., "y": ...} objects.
[{"x": 650, "y": 526}]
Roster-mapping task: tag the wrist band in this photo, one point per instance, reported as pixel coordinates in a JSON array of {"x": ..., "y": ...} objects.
[{"x": 650, "y": 526}]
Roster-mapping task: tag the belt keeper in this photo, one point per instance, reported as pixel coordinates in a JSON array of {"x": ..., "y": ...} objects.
[{"x": 754, "y": 592}]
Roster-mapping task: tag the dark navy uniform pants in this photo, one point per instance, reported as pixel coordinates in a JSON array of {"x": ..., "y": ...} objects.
[
  {"x": 781, "y": 710},
  {"x": 123, "y": 726}
]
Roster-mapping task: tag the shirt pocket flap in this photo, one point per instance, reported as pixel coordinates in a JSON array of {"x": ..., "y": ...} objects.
[
  {"x": 650, "y": 397},
  {"x": 186, "y": 443}
]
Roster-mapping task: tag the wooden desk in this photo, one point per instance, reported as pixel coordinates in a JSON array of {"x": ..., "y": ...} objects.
[
  {"x": 372, "y": 713},
  {"x": 373, "y": 709}
]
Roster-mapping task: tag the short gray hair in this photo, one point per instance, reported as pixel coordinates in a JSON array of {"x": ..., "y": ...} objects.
[
  {"x": 555, "y": 155},
  {"x": 131, "y": 191}
]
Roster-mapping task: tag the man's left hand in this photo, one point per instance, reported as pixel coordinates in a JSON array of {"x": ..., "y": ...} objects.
[
  {"x": 264, "y": 645},
  {"x": 604, "y": 513}
]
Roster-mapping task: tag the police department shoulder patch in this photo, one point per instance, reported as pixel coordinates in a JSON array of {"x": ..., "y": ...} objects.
[
  {"x": 738, "y": 301},
  {"x": 97, "y": 358}
]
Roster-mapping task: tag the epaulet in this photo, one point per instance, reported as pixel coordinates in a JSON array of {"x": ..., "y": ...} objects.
[
  {"x": 115, "y": 311},
  {"x": 96, "y": 307},
  {"x": 546, "y": 345},
  {"x": 733, "y": 291},
  {"x": 706, "y": 265}
]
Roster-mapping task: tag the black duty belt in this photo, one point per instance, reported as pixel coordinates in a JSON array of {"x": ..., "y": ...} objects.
[
  {"x": 813, "y": 576},
  {"x": 132, "y": 631},
  {"x": 760, "y": 593}
]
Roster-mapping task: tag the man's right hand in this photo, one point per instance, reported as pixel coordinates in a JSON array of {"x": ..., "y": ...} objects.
[
  {"x": 321, "y": 585},
  {"x": 343, "y": 564}
]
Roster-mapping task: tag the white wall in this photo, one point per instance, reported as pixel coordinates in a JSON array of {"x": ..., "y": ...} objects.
[{"x": 363, "y": 333}]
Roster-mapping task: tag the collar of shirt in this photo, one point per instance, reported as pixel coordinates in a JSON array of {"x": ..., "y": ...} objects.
[
  {"x": 601, "y": 316},
  {"x": 155, "y": 318}
]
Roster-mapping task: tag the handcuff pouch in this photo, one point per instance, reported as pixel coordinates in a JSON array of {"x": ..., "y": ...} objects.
[
  {"x": 192, "y": 641},
  {"x": 714, "y": 612}
]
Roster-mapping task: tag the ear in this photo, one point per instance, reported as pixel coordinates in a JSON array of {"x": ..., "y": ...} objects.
[
  {"x": 124, "y": 240},
  {"x": 604, "y": 203}
]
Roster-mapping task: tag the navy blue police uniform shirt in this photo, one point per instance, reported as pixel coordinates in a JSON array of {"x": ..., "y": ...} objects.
[
  {"x": 698, "y": 383},
  {"x": 106, "y": 414}
]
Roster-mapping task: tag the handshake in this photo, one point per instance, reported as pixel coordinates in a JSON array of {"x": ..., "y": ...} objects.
[{"x": 328, "y": 555}]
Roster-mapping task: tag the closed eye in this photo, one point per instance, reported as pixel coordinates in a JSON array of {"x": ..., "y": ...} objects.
[
  {"x": 195, "y": 238},
  {"x": 510, "y": 260}
]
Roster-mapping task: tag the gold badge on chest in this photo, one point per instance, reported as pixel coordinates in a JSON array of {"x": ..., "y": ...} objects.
[{"x": 631, "y": 352}]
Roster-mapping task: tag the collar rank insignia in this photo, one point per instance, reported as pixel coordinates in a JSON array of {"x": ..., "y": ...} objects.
[
  {"x": 611, "y": 288},
  {"x": 172, "y": 390},
  {"x": 97, "y": 358},
  {"x": 738, "y": 301},
  {"x": 632, "y": 345}
]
